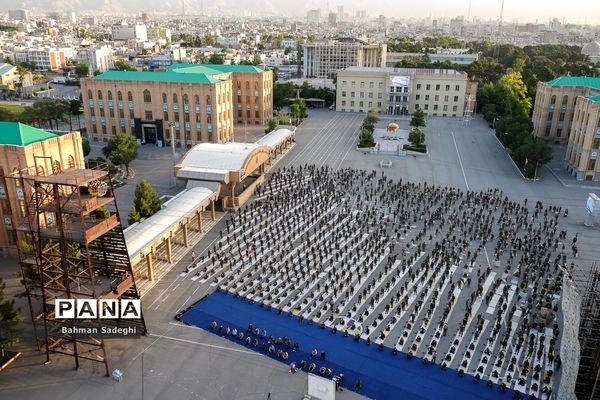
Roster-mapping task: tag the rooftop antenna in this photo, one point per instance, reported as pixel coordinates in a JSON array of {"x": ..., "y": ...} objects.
[
  {"x": 496, "y": 50},
  {"x": 469, "y": 11}
]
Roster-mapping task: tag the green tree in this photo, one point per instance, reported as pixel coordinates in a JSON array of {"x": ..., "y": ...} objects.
[
  {"x": 416, "y": 137},
  {"x": 82, "y": 69},
  {"x": 85, "y": 146},
  {"x": 418, "y": 119},
  {"x": 518, "y": 103},
  {"x": 75, "y": 110},
  {"x": 366, "y": 138},
  {"x": 9, "y": 316},
  {"x": 216, "y": 58},
  {"x": 485, "y": 70},
  {"x": 146, "y": 201},
  {"x": 372, "y": 117},
  {"x": 272, "y": 124},
  {"x": 6, "y": 115},
  {"x": 531, "y": 154},
  {"x": 134, "y": 216},
  {"x": 123, "y": 65},
  {"x": 121, "y": 149}
]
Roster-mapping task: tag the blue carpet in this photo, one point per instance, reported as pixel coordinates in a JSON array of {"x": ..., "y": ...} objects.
[{"x": 384, "y": 376}]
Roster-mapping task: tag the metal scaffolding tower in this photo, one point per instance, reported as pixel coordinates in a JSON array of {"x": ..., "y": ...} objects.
[
  {"x": 588, "y": 377},
  {"x": 71, "y": 246}
]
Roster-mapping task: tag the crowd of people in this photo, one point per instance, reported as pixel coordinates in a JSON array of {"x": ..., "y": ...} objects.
[{"x": 467, "y": 280}]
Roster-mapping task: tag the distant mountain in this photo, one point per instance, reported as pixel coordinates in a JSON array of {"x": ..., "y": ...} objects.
[{"x": 267, "y": 7}]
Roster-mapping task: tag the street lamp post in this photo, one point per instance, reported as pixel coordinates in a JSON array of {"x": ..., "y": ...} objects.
[
  {"x": 535, "y": 172},
  {"x": 172, "y": 174}
]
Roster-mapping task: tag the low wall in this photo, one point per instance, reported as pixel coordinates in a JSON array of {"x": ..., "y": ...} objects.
[{"x": 569, "y": 344}]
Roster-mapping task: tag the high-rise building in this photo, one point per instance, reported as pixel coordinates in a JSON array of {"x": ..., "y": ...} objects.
[
  {"x": 332, "y": 19},
  {"x": 313, "y": 16},
  {"x": 200, "y": 103},
  {"x": 323, "y": 59},
  {"x": 401, "y": 91},
  {"x": 99, "y": 59},
  {"x": 128, "y": 32},
  {"x": 18, "y": 15}
]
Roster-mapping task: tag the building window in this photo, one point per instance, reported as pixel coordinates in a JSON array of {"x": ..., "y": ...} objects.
[
  {"x": 352, "y": 94},
  {"x": 129, "y": 96},
  {"x": 454, "y": 108},
  {"x": 371, "y": 84},
  {"x": 591, "y": 165},
  {"x": 90, "y": 94},
  {"x": 437, "y": 97},
  {"x": 596, "y": 143},
  {"x": 131, "y": 114},
  {"x": 418, "y": 86},
  {"x": 113, "y": 130},
  {"x": 550, "y": 116},
  {"x": 435, "y": 107},
  {"x": 148, "y": 115},
  {"x": 447, "y": 88},
  {"x": 547, "y": 133},
  {"x": 99, "y": 94},
  {"x": 165, "y": 116},
  {"x": 559, "y": 132},
  {"x": 119, "y": 96},
  {"x": 416, "y": 106},
  {"x": 147, "y": 96},
  {"x": 426, "y": 97},
  {"x": 446, "y": 98},
  {"x": 343, "y": 103},
  {"x": 437, "y": 87},
  {"x": 426, "y": 106},
  {"x": 457, "y": 88},
  {"x": 456, "y": 99},
  {"x": 428, "y": 87},
  {"x": 343, "y": 93},
  {"x": 110, "y": 95},
  {"x": 445, "y": 108},
  {"x": 176, "y": 117}
]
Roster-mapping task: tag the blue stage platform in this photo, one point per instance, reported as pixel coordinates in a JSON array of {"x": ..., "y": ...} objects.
[{"x": 384, "y": 376}]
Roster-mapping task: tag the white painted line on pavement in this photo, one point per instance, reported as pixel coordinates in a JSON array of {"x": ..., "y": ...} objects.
[{"x": 460, "y": 161}]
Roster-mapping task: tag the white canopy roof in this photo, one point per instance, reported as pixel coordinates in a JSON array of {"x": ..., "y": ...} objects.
[
  {"x": 146, "y": 232},
  {"x": 219, "y": 156},
  {"x": 275, "y": 138}
]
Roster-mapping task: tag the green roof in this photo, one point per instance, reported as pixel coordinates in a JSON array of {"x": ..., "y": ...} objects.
[
  {"x": 595, "y": 99},
  {"x": 584, "y": 81},
  {"x": 18, "y": 134},
  {"x": 180, "y": 73},
  {"x": 168, "y": 76},
  {"x": 217, "y": 68}
]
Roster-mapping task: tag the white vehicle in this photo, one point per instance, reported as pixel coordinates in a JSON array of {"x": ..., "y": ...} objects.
[{"x": 59, "y": 79}]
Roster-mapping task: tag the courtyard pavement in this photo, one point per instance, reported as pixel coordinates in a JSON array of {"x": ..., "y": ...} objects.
[{"x": 181, "y": 362}]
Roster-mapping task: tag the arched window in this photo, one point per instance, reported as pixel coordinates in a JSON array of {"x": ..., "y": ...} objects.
[
  {"x": 56, "y": 168},
  {"x": 186, "y": 99},
  {"x": 71, "y": 162},
  {"x": 553, "y": 99},
  {"x": 129, "y": 96},
  {"x": 247, "y": 85},
  {"x": 164, "y": 98},
  {"x": 565, "y": 99},
  {"x": 99, "y": 94},
  {"x": 147, "y": 96},
  {"x": 239, "y": 84},
  {"x": 174, "y": 98},
  {"x": 119, "y": 95},
  {"x": 90, "y": 94},
  {"x": 196, "y": 99},
  {"x": 208, "y": 99},
  {"x": 110, "y": 95}
]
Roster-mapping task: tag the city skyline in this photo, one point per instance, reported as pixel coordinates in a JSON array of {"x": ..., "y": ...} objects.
[{"x": 531, "y": 11}]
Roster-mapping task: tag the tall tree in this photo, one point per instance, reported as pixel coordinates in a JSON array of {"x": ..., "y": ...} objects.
[
  {"x": 121, "y": 149},
  {"x": 518, "y": 103},
  {"x": 82, "y": 69},
  {"x": 85, "y": 145},
  {"x": 123, "y": 65},
  {"x": 418, "y": 119},
  {"x": 146, "y": 201}
]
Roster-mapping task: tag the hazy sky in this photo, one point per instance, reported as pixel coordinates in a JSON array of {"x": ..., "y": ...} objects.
[{"x": 578, "y": 11}]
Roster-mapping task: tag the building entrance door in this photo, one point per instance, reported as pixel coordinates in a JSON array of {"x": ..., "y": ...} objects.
[{"x": 149, "y": 135}]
